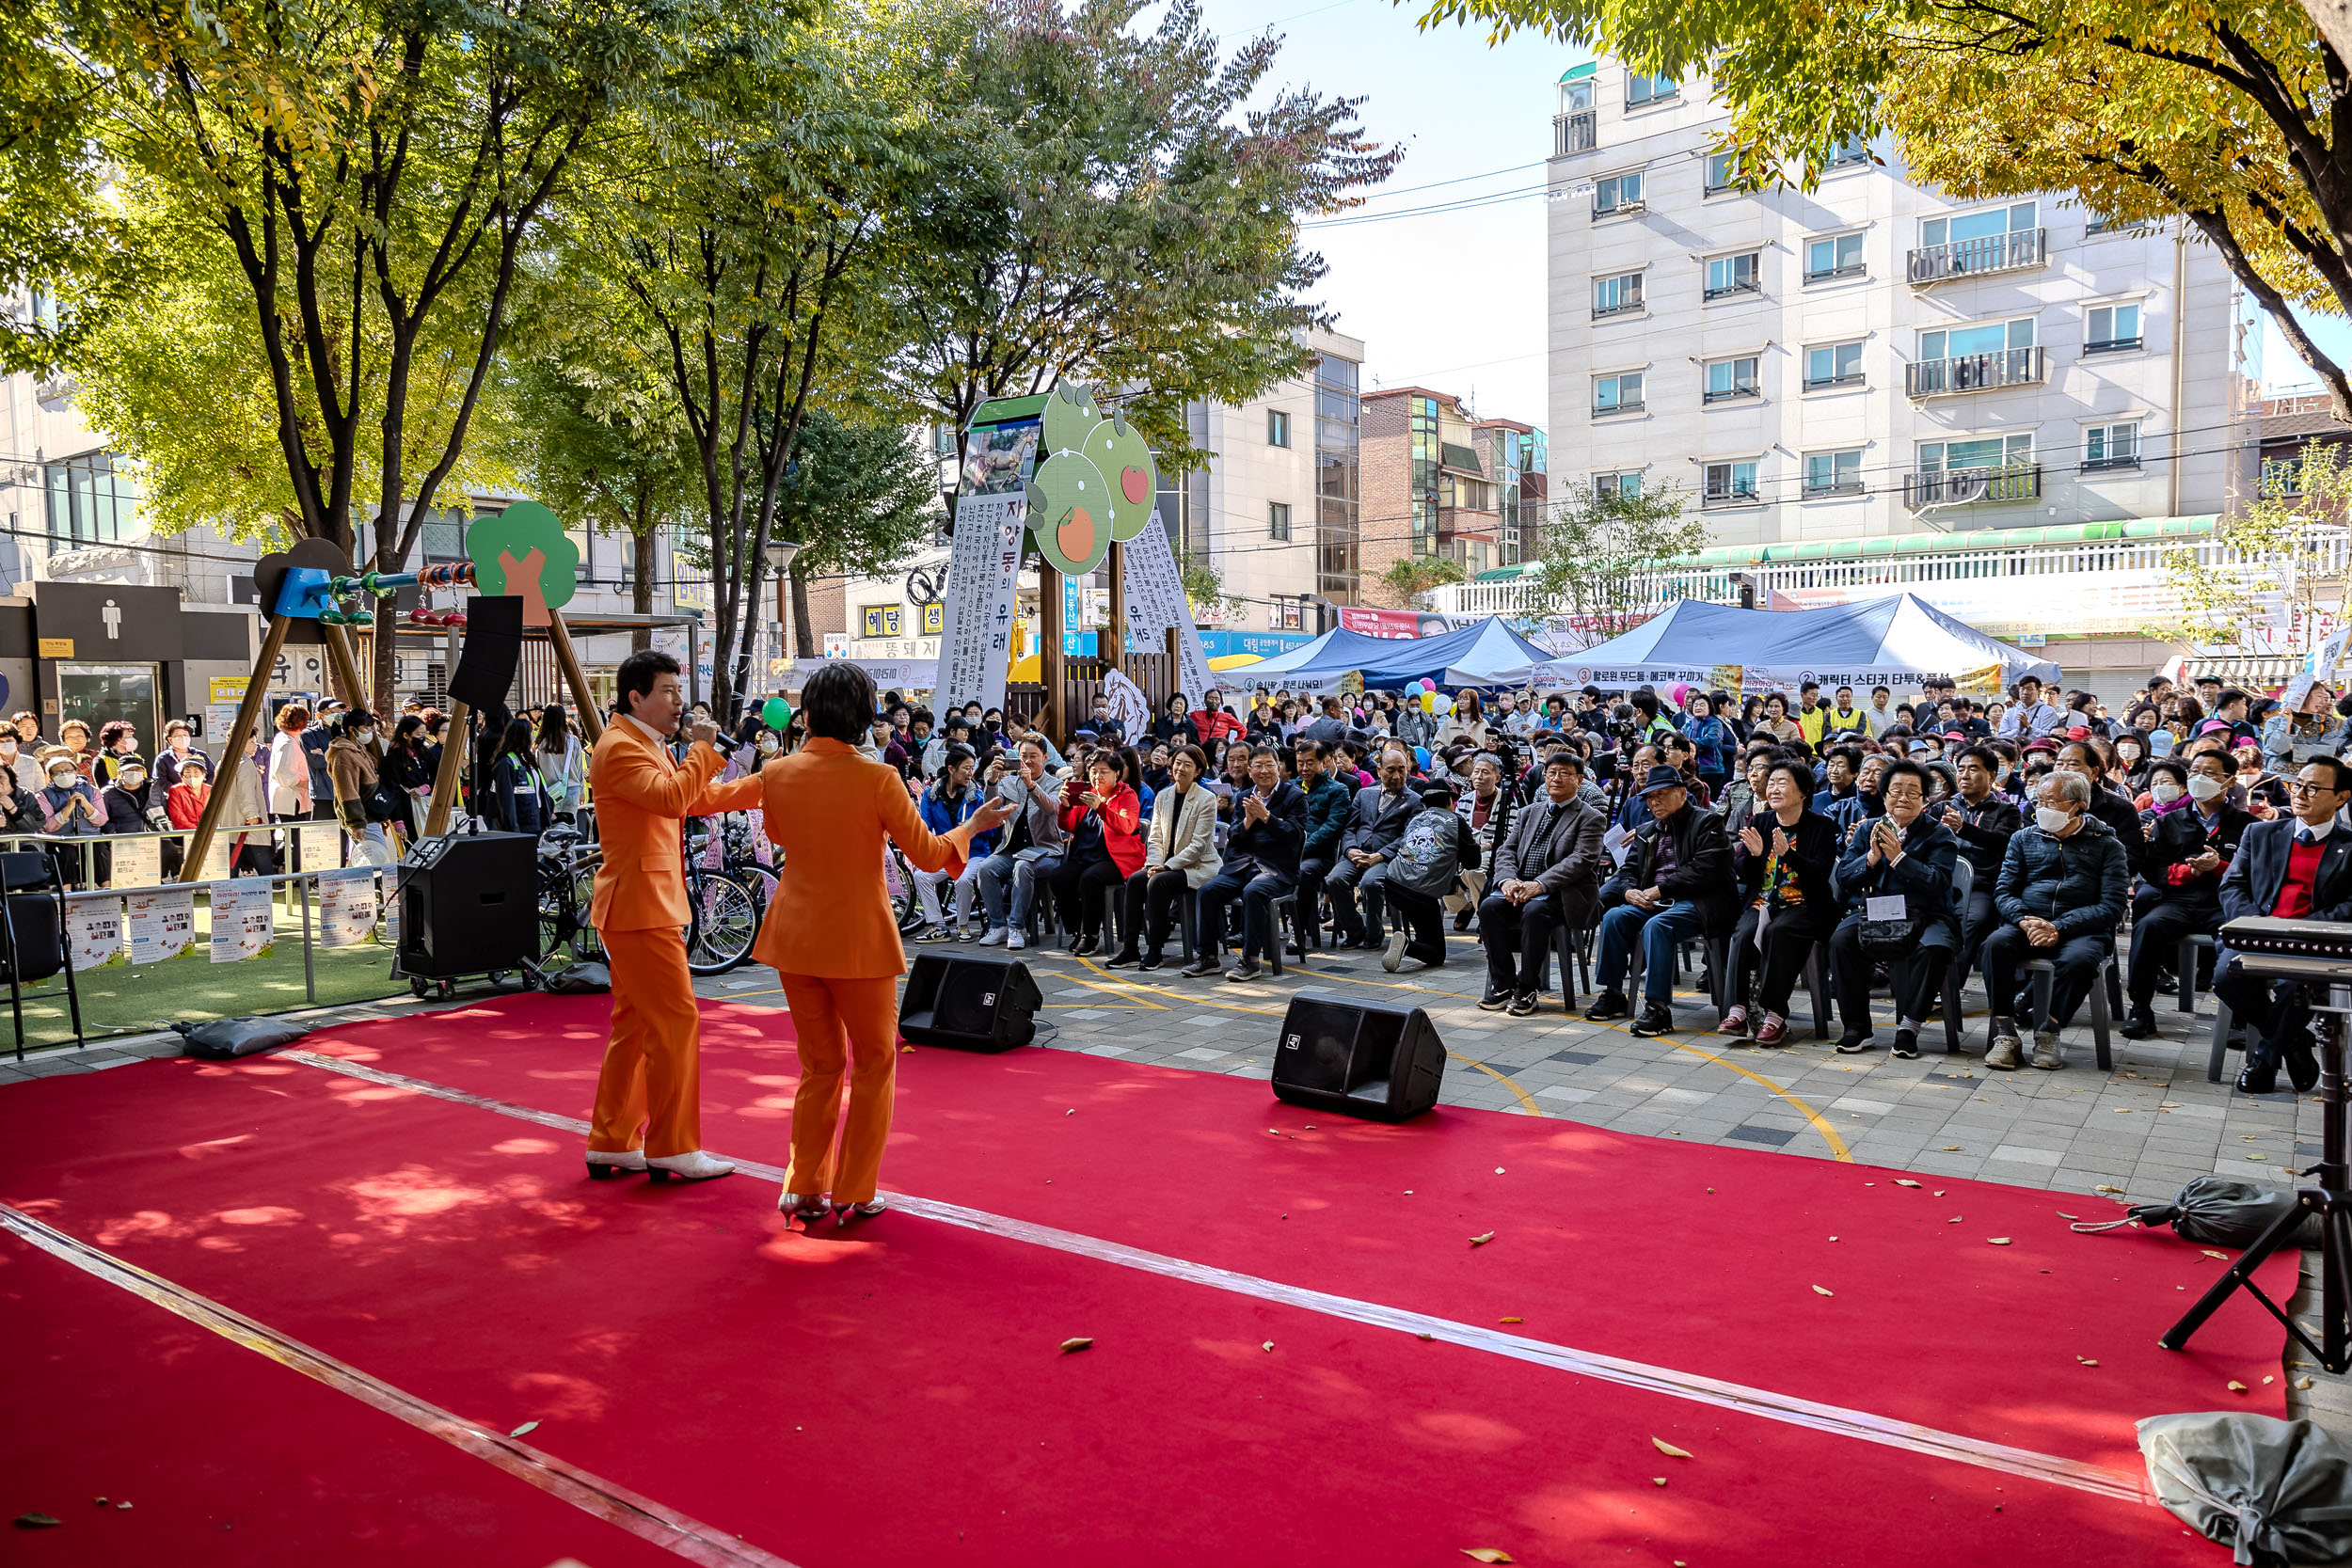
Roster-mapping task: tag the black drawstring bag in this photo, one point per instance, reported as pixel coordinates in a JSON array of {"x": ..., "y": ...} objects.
[{"x": 2218, "y": 1212}]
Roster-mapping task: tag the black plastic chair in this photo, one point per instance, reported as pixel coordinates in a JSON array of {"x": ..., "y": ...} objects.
[{"x": 33, "y": 944}]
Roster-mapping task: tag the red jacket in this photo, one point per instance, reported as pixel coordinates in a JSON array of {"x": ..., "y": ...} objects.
[
  {"x": 1122, "y": 818},
  {"x": 1216, "y": 726}
]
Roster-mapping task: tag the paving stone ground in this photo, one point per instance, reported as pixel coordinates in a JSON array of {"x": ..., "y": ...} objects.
[{"x": 2139, "y": 1132}]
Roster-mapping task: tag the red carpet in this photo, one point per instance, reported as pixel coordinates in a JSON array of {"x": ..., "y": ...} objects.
[{"x": 893, "y": 1396}]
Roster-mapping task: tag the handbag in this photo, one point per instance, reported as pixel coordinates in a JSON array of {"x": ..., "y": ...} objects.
[
  {"x": 1883, "y": 939},
  {"x": 386, "y": 803}
]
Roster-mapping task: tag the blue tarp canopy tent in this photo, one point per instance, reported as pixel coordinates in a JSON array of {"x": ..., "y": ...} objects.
[
  {"x": 1488, "y": 654},
  {"x": 1897, "y": 641}
]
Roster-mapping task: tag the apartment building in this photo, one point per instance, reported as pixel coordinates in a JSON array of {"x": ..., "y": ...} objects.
[
  {"x": 1439, "y": 483},
  {"x": 1873, "y": 358}
]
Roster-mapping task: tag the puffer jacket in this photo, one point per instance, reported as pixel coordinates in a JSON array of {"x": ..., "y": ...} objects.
[{"x": 2076, "y": 883}]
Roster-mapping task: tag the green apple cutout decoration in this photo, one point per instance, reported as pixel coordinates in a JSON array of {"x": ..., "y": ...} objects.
[
  {"x": 1070, "y": 415},
  {"x": 776, "y": 714},
  {"x": 1117, "y": 451},
  {"x": 1070, "y": 512}
]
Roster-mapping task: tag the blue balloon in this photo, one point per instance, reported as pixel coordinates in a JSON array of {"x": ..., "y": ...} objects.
[{"x": 1420, "y": 757}]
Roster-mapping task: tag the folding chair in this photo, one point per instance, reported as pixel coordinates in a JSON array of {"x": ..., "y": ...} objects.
[{"x": 33, "y": 945}]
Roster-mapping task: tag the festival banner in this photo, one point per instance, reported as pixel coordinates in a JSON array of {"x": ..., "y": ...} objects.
[
  {"x": 137, "y": 863},
  {"x": 243, "y": 921},
  {"x": 346, "y": 906},
  {"x": 1156, "y": 603},
  {"x": 975, "y": 637},
  {"x": 93, "y": 925},
  {"x": 163, "y": 923}
]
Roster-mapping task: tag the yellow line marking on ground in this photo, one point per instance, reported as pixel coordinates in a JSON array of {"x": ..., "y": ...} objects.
[
  {"x": 1503, "y": 1078},
  {"x": 1829, "y": 1134}
]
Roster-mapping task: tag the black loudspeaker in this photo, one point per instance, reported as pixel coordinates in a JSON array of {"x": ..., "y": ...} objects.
[
  {"x": 969, "y": 1003},
  {"x": 469, "y": 904},
  {"x": 1360, "y": 1059},
  {"x": 494, "y": 645}
]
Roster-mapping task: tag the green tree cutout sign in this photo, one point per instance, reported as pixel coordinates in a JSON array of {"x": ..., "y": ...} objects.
[
  {"x": 524, "y": 551},
  {"x": 1095, "y": 486}
]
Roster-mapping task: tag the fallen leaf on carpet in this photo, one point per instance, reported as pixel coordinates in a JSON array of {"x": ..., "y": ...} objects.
[
  {"x": 122, "y": 1505},
  {"x": 2223, "y": 1255},
  {"x": 1820, "y": 1291},
  {"x": 1498, "y": 1170},
  {"x": 1996, "y": 1241},
  {"x": 2087, "y": 1361},
  {"x": 1069, "y": 1345},
  {"x": 1905, "y": 1181},
  {"x": 1424, "y": 1336},
  {"x": 1511, "y": 1320},
  {"x": 1660, "y": 1480},
  {"x": 1311, "y": 1127},
  {"x": 1833, "y": 1238},
  {"x": 2064, "y": 1216},
  {"x": 2236, "y": 1387},
  {"x": 2266, "y": 1382},
  {"x": 1668, "y": 1448},
  {"x": 42, "y": 1521},
  {"x": 1267, "y": 1347},
  {"x": 906, "y": 1048},
  {"x": 1487, "y": 1554},
  {"x": 1481, "y": 1241},
  {"x": 1955, "y": 1219},
  {"x": 527, "y": 1425},
  {"x": 1939, "y": 1192},
  {"x": 1072, "y": 1111}
]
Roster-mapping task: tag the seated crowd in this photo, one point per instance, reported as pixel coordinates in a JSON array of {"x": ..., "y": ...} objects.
[{"x": 1891, "y": 847}]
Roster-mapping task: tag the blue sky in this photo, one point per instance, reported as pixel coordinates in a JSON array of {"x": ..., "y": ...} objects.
[{"x": 1454, "y": 299}]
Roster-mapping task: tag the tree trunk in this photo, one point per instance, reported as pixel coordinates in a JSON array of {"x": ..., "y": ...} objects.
[
  {"x": 384, "y": 668},
  {"x": 641, "y": 582},
  {"x": 803, "y": 640},
  {"x": 2333, "y": 18}
]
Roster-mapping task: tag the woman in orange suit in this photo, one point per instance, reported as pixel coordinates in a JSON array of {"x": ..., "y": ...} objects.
[{"x": 830, "y": 935}]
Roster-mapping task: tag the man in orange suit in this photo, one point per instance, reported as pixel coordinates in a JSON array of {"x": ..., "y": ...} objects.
[{"x": 648, "y": 1113}]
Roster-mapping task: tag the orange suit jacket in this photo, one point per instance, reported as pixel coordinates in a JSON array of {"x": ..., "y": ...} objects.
[
  {"x": 829, "y": 809},
  {"x": 642, "y": 797}
]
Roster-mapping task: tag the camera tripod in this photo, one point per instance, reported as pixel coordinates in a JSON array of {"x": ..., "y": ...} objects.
[{"x": 2331, "y": 1201}]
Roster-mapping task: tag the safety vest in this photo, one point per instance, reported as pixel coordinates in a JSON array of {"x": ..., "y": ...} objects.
[{"x": 1845, "y": 723}]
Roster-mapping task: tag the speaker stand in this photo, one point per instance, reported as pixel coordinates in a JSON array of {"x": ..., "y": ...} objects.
[{"x": 2331, "y": 1201}]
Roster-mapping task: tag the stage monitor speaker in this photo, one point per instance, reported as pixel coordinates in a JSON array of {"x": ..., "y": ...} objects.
[
  {"x": 493, "y": 646},
  {"x": 969, "y": 1003},
  {"x": 1358, "y": 1058},
  {"x": 468, "y": 904}
]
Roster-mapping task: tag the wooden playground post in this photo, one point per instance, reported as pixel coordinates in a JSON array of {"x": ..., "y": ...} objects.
[
  {"x": 591, "y": 722},
  {"x": 1050, "y": 669},
  {"x": 240, "y": 733},
  {"x": 454, "y": 740}
]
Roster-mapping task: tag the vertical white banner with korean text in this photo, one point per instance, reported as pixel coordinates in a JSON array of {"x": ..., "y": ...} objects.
[
  {"x": 1156, "y": 601},
  {"x": 976, "y": 638}
]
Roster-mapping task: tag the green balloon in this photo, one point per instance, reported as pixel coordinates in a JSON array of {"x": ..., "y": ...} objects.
[{"x": 775, "y": 713}]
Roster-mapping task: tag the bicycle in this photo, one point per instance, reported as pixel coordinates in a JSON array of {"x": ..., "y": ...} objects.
[
  {"x": 723, "y": 917},
  {"x": 567, "y": 881}
]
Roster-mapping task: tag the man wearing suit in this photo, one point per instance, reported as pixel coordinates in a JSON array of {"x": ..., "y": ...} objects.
[
  {"x": 652, "y": 1076},
  {"x": 1546, "y": 876},
  {"x": 1261, "y": 865},
  {"x": 2293, "y": 868},
  {"x": 1329, "y": 803},
  {"x": 1375, "y": 824},
  {"x": 1983, "y": 820}
]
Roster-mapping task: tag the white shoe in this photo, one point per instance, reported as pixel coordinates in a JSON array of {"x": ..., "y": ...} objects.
[
  {"x": 692, "y": 1165},
  {"x": 993, "y": 937},
  {"x": 1393, "y": 958},
  {"x": 605, "y": 1164},
  {"x": 1015, "y": 940}
]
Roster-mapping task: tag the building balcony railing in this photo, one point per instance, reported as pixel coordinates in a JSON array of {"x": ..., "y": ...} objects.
[
  {"x": 2011, "y": 481},
  {"x": 2113, "y": 345},
  {"x": 1746, "y": 285},
  {"x": 1623, "y": 308},
  {"x": 1734, "y": 496},
  {"x": 1820, "y": 489},
  {"x": 1729, "y": 394},
  {"x": 2108, "y": 465},
  {"x": 1576, "y": 133},
  {"x": 1977, "y": 372},
  {"x": 1850, "y": 379},
  {"x": 1626, "y": 405},
  {"x": 1936, "y": 264}
]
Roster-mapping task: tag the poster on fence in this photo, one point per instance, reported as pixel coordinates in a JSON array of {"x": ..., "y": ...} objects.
[
  {"x": 242, "y": 916},
  {"x": 346, "y": 906},
  {"x": 163, "y": 923},
  {"x": 216, "y": 866},
  {"x": 137, "y": 863},
  {"x": 93, "y": 924}
]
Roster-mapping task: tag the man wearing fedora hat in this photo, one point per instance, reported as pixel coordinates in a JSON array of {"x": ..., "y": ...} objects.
[{"x": 1676, "y": 883}]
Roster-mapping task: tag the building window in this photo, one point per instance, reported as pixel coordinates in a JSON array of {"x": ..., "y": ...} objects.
[
  {"x": 1959, "y": 342},
  {"x": 1277, "y": 521},
  {"x": 1641, "y": 87},
  {"x": 1628, "y": 483},
  {"x": 90, "y": 502},
  {"x": 1722, "y": 172},
  {"x": 1851, "y": 151},
  {"x": 1833, "y": 365},
  {"x": 1576, "y": 97},
  {"x": 1837, "y": 256},
  {"x": 1833, "y": 473},
  {"x": 2111, "y": 446},
  {"x": 2112, "y": 328},
  {"x": 1996, "y": 239},
  {"x": 1619, "y": 193},
  {"x": 1337, "y": 556},
  {"x": 1730, "y": 483},
  {"x": 1727, "y": 379},
  {"x": 1617, "y": 297},
  {"x": 1617, "y": 394},
  {"x": 1277, "y": 428},
  {"x": 2017, "y": 218},
  {"x": 1732, "y": 275},
  {"x": 2283, "y": 476}
]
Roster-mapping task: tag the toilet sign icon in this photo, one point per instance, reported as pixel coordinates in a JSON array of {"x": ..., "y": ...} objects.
[{"x": 113, "y": 617}]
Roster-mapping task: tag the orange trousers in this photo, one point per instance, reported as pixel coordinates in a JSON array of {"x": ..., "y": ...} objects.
[
  {"x": 840, "y": 1023},
  {"x": 653, "y": 1072}
]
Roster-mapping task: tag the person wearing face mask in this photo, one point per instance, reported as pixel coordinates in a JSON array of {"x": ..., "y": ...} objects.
[
  {"x": 23, "y": 769},
  {"x": 563, "y": 761},
  {"x": 2131, "y": 762},
  {"x": 2115, "y": 811},
  {"x": 69, "y": 808},
  {"x": 2193, "y": 836},
  {"x": 352, "y": 770},
  {"x": 2298, "y": 867},
  {"x": 2061, "y": 896}
]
